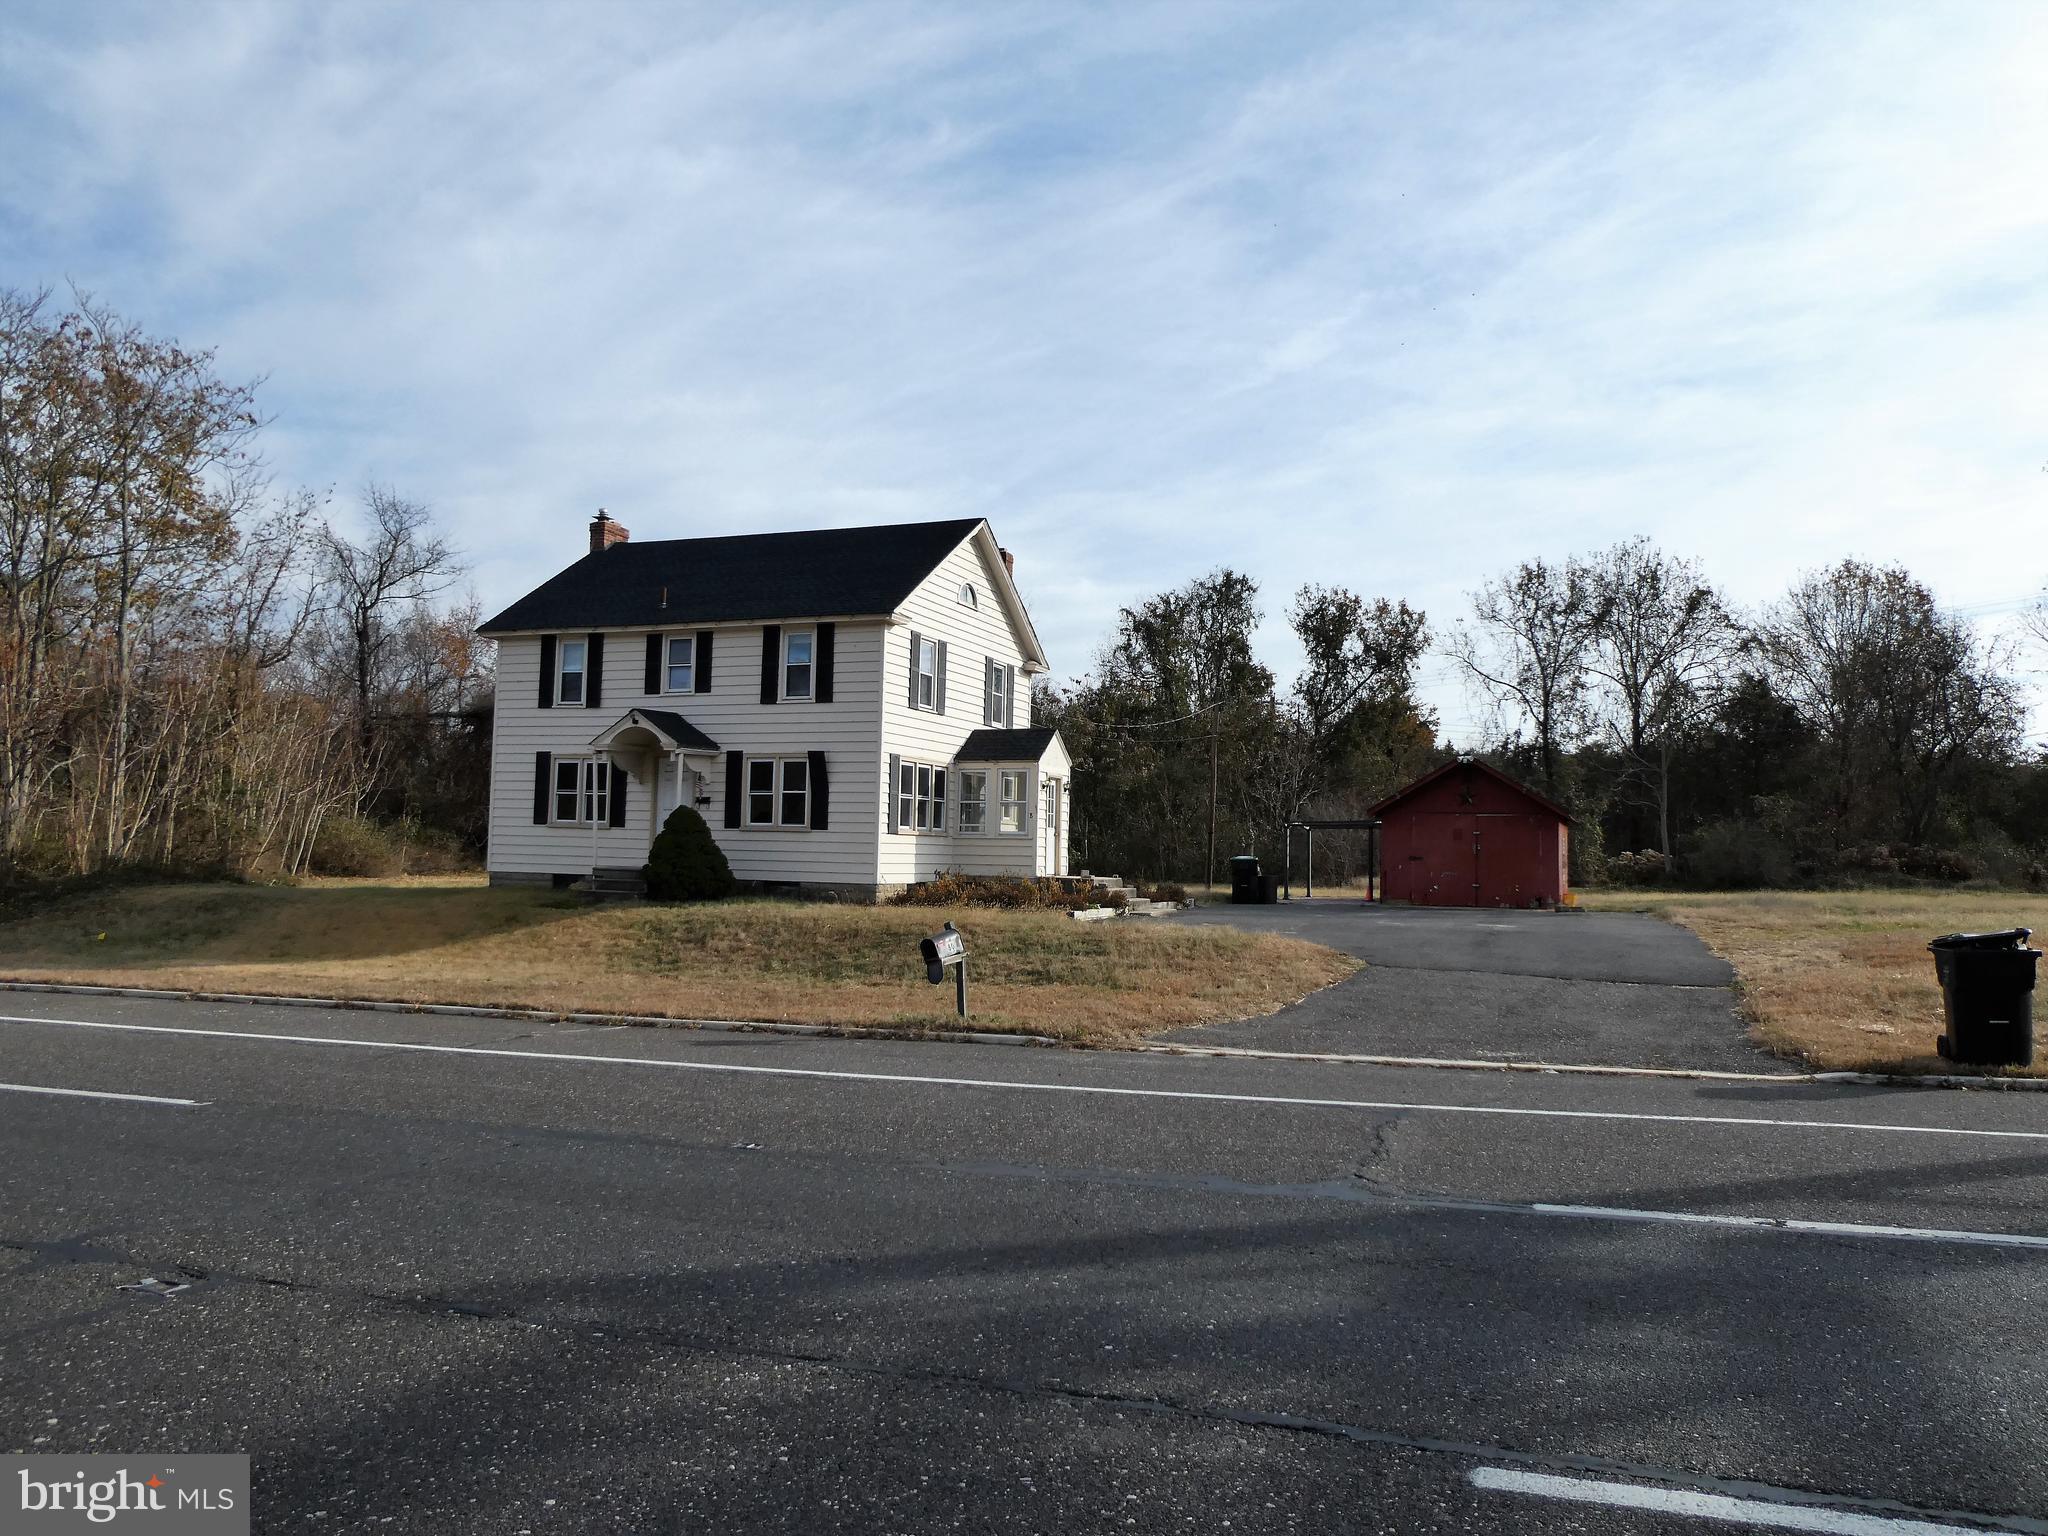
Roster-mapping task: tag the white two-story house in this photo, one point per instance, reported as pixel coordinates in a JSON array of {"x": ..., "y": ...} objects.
[{"x": 849, "y": 709}]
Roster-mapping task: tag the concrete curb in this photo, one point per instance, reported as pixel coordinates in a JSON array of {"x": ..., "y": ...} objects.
[
  {"x": 1697, "y": 1074},
  {"x": 979, "y": 1037},
  {"x": 1478, "y": 1064},
  {"x": 539, "y": 1015}
]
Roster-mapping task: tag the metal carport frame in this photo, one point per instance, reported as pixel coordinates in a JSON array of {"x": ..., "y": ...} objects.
[{"x": 1372, "y": 862}]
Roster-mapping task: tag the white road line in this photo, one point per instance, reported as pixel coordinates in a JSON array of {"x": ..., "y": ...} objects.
[
  {"x": 1787, "y": 1224},
  {"x": 1710, "y": 1506},
  {"x": 1019, "y": 1086},
  {"x": 88, "y": 1093}
]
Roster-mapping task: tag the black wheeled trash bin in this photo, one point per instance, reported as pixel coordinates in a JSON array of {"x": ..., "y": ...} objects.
[
  {"x": 1244, "y": 879},
  {"x": 1987, "y": 997},
  {"x": 1269, "y": 889}
]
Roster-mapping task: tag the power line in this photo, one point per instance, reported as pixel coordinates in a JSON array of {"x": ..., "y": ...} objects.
[{"x": 1156, "y": 725}]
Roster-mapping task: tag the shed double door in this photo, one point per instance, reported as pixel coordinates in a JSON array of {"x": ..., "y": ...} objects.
[
  {"x": 1449, "y": 856},
  {"x": 1476, "y": 859}
]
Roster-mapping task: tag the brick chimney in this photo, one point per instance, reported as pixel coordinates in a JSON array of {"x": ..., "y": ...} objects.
[
  {"x": 1009, "y": 563},
  {"x": 604, "y": 533}
]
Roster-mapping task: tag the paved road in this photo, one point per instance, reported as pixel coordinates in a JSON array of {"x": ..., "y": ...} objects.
[
  {"x": 1588, "y": 988},
  {"x": 574, "y": 1280}
]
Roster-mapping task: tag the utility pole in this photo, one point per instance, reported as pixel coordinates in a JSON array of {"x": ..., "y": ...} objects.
[{"x": 1212, "y": 808}]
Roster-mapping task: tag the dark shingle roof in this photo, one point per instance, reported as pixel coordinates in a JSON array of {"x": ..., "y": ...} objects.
[
  {"x": 1021, "y": 746},
  {"x": 677, "y": 729},
  {"x": 738, "y": 579}
]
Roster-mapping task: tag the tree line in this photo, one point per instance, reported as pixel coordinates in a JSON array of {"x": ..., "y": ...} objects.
[
  {"x": 1849, "y": 729},
  {"x": 197, "y": 671}
]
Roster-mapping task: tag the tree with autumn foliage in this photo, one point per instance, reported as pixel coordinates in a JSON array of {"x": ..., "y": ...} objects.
[{"x": 161, "y": 701}]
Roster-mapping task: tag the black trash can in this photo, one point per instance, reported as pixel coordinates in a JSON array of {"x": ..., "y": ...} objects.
[
  {"x": 1244, "y": 879},
  {"x": 1269, "y": 889},
  {"x": 1987, "y": 997}
]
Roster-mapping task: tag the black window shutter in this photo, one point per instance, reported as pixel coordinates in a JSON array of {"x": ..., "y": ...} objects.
[
  {"x": 653, "y": 681},
  {"x": 821, "y": 793},
  {"x": 939, "y": 692},
  {"x": 702, "y": 675},
  {"x": 543, "y": 767},
  {"x": 988, "y": 691},
  {"x": 889, "y": 803},
  {"x": 916, "y": 649},
  {"x": 821, "y": 688},
  {"x": 593, "y": 676},
  {"x": 735, "y": 776},
  {"x": 618, "y": 798},
  {"x": 547, "y": 671},
  {"x": 771, "y": 662}
]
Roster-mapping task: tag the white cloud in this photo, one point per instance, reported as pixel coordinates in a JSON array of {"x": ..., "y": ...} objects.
[{"x": 1388, "y": 298}]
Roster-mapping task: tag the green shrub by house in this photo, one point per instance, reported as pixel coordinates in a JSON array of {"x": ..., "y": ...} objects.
[{"x": 685, "y": 864}]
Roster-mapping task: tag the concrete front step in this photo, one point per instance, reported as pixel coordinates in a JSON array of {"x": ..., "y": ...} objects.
[
  {"x": 611, "y": 886},
  {"x": 1139, "y": 906}
]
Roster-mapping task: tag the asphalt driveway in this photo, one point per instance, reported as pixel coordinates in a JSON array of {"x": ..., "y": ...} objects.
[{"x": 1581, "y": 988}]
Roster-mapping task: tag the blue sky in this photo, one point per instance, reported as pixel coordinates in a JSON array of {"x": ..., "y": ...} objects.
[{"x": 1385, "y": 295}]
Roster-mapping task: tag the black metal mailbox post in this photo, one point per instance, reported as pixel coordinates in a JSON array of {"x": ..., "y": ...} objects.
[{"x": 944, "y": 950}]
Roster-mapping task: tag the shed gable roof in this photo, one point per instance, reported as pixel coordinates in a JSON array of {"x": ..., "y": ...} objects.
[
  {"x": 1471, "y": 764},
  {"x": 739, "y": 578}
]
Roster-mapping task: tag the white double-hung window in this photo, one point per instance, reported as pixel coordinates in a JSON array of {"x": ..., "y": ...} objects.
[
  {"x": 1015, "y": 782},
  {"x": 1002, "y": 685},
  {"x": 680, "y": 661},
  {"x": 778, "y": 792},
  {"x": 582, "y": 792},
  {"x": 973, "y": 799},
  {"x": 927, "y": 674},
  {"x": 921, "y": 798},
  {"x": 569, "y": 665},
  {"x": 798, "y": 647}
]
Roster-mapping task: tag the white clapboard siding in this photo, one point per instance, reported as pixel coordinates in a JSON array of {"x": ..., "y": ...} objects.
[
  {"x": 847, "y": 730},
  {"x": 972, "y": 636}
]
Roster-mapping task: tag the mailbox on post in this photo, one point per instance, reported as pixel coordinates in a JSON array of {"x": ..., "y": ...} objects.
[{"x": 947, "y": 948}]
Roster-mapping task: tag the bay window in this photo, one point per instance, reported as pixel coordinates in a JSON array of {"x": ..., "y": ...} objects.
[
  {"x": 1012, "y": 804},
  {"x": 973, "y": 799}
]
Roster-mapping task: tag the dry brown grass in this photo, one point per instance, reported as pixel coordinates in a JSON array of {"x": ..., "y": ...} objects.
[
  {"x": 1841, "y": 978},
  {"x": 450, "y": 939}
]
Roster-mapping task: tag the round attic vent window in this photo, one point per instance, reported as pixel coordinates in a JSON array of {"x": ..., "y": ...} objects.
[{"x": 969, "y": 596}]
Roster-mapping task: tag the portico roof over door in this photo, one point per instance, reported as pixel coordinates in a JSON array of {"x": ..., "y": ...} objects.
[{"x": 669, "y": 731}]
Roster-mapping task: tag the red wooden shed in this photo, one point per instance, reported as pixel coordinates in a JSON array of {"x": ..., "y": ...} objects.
[{"x": 1469, "y": 836}]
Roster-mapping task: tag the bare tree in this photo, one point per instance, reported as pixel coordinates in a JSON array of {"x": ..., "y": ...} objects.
[
  {"x": 1903, "y": 697},
  {"x": 1527, "y": 650},
  {"x": 375, "y": 585},
  {"x": 2034, "y": 620},
  {"x": 1663, "y": 647}
]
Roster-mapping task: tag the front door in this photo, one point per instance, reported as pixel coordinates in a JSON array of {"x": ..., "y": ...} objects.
[
  {"x": 1049, "y": 828},
  {"x": 674, "y": 785}
]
